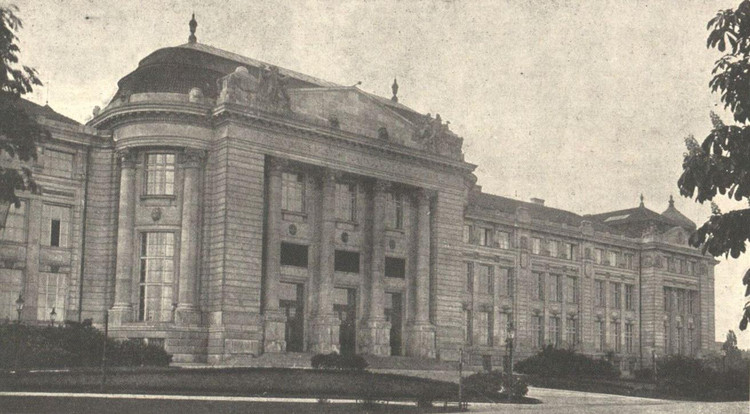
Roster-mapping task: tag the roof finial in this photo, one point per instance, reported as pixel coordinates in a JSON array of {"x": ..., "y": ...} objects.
[
  {"x": 642, "y": 200},
  {"x": 671, "y": 201},
  {"x": 394, "y": 88},
  {"x": 193, "y": 26}
]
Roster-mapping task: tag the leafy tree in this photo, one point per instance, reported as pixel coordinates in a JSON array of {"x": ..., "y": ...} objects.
[
  {"x": 721, "y": 164},
  {"x": 19, "y": 131}
]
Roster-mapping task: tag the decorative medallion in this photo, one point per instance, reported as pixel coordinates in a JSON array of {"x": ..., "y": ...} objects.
[
  {"x": 292, "y": 229},
  {"x": 345, "y": 237},
  {"x": 392, "y": 244},
  {"x": 156, "y": 214}
]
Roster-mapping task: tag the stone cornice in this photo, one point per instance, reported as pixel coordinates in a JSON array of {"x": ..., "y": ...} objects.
[
  {"x": 138, "y": 112},
  {"x": 226, "y": 112}
]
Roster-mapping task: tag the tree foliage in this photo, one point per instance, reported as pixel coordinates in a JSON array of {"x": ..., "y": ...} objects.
[
  {"x": 721, "y": 164},
  {"x": 19, "y": 131}
]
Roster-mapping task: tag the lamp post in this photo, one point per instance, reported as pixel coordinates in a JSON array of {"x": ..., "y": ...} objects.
[
  {"x": 52, "y": 317},
  {"x": 511, "y": 337},
  {"x": 19, "y": 307},
  {"x": 653, "y": 363}
]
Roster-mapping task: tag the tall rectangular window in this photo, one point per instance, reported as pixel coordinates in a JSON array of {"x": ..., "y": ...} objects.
[
  {"x": 483, "y": 279},
  {"x": 468, "y": 230},
  {"x": 536, "y": 245},
  {"x": 571, "y": 330},
  {"x": 553, "y": 248},
  {"x": 506, "y": 281},
  {"x": 293, "y": 192},
  {"x": 467, "y": 326},
  {"x": 160, "y": 174},
  {"x": 502, "y": 239},
  {"x": 612, "y": 257},
  {"x": 485, "y": 236},
  {"x": 629, "y": 297},
  {"x": 482, "y": 328},
  {"x": 570, "y": 250},
  {"x": 293, "y": 254},
  {"x": 15, "y": 224},
  {"x": 691, "y": 340},
  {"x": 539, "y": 286},
  {"x": 599, "y": 335},
  {"x": 666, "y": 337},
  {"x": 55, "y": 225},
  {"x": 617, "y": 335},
  {"x": 344, "y": 261},
  {"x": 680, "y": 300},
  {"x": 52, "y": 291},
  {"x": 693, "y": 302},
  {"x": 555, "y": 288},
  {"x": 395, "y": 211},
  {"x": 629, "y": 331},
  {"x": 469, "y": 277},
  {"x": 554, "y": 331},
  {"x": 680, "y": 339},
  {"x": 628, "y": 260},
  {"x": 537, "y": 331},
  {"x": 346, "y": 201},
  {"x": 616, "y": 303},
  {"x": 600, "y": 297},
  {"x": 598, "y": 256},
  {"x": 571, "y": 295},
  {"x": 57, "y": 163},
  {"x": 667, "y": 299},
  {"x": 156, "y": 282}
]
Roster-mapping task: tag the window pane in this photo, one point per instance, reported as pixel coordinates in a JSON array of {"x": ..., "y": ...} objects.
[
  {"x": 15, "y": 224},
  {"x": 55, "y": 225},
  {"x": 57, "y": 163},
  {"x": 157, "y": 277},
  {"x": 160, "y": 174}
]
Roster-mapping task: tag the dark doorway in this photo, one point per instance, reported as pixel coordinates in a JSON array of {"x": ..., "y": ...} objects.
[
  {"x": 344, "y": 306},
  {"x": 393, "y": 312},
  {"x": 291, "y": 300}
]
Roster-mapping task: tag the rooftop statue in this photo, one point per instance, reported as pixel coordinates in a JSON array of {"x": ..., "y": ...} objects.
[
  {"x": 437, "y": 137},
  {"x": 272, "y": 89},
  {"x": 268, "y": 92}
]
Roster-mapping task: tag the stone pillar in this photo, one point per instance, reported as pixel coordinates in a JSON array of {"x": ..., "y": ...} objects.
[
  {"x": 375, "y": 330},
  {"x": 31, "y": 282},
  {"x": 324, "y": 326},
  {"x": 421, "y": 342},
  {"x": 122, "y": 310},
  {"x": 187, "y": 310},
  {"x": 274, "y": 320}
]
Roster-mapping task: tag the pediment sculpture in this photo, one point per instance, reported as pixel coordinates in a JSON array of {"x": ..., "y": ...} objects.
[
  {"x": 267, "y": 92},
  {"x": 436, "y": 137}
]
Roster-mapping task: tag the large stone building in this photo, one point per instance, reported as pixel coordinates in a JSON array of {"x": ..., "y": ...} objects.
[{"x": 225, "y": 209}]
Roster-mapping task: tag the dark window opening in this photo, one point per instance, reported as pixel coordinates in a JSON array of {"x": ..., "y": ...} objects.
[
  {"x": 395, "y": 267},
  {"x": 54, "y": 238},
  {"x": 346, "y": 261},
  {"x": 293, "y": 255}
]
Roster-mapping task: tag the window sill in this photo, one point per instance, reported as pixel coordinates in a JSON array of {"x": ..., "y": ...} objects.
[{"x": 158, "y": 197}]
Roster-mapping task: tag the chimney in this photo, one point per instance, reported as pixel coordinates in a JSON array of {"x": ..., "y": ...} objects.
[{"x": 537, "y": 201}]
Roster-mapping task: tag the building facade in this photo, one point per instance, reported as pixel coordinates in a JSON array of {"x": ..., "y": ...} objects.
[{"x": 226, "y": 208}]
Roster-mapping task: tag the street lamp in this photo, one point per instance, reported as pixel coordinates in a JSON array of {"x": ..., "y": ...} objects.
[
  {"x": 52, "y": 316},
  {"x": 19, "y": 306},
  {"x": 511, "y": 337}
]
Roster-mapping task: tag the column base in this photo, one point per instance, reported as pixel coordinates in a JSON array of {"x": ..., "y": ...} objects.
[
  {"x": 324, "y": 334},
  {"x": 187, "y": 315},
  {"x": 274, "y": 332},
  {"x": 120, "y": 314},
  {"x": 374, "y": 337},
  {"x": 421, "y": 340}
]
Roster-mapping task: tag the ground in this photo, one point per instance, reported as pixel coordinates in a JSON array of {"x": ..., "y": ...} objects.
[{"x": 554, "y": 401}]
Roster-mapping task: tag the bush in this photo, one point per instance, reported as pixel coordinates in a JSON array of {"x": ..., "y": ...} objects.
[
  {"x": 71, "y": 346},
  {"x": 491, "y": 384},
  {"x": 644, "y": 374},
  {"x": 555, "y": 362},
  {"x": 696, "y": 379},
  {"x": 337, "y": 361}
]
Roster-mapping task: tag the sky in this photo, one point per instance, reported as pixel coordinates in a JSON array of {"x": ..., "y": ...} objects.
[{"x": 585, "y": 104}]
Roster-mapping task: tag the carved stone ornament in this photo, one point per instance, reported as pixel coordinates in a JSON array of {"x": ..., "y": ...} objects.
[
  {"x": 345, "y": 237},
  {"x": 128, "y": 158},
  {"x": 588, "y": 269},
  {"x": 648, "y": 261},
  {"x": 193, "y": 158},
  {"x": 292, "y": 229},
  {"x": 156, "y": 214},
  {"x": 658, "y": 262},
  {"x": 392, "y": 244},
  {"x": 436, "y": 137}
]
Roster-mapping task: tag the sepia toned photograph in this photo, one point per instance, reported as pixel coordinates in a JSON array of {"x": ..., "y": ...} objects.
[{"x": 374, "y": 206}]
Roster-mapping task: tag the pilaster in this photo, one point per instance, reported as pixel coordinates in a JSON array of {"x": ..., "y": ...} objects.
[
  {"x": 122, "y": 310},
  {"x": 274, "y": 322},
  {"x": 421, "y": 340}
]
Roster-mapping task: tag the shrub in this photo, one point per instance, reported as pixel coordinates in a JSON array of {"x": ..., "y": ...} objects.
[
  {"x": 71, "y": 346},
  {"x": 490, "y": 384},
  {"x": 556, "y": 362},
  {"x": 336, "y": 361},
  {"x": 644, "y": 374},
  {"x": 697, "y": 379}
]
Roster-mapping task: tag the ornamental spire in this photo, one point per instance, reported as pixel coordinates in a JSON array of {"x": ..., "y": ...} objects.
[
  {"x": 193, "y": 25},
  {"x": 671, "y": 201},
  {"x": 394, "y": 88},
  {"x": 642, "y": 200}
]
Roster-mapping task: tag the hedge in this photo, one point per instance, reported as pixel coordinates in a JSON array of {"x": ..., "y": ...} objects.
[
  {"x": 556, "y": 362},
  {"x": 71, "y": 346},
  {"x": 336, "y": 361}
]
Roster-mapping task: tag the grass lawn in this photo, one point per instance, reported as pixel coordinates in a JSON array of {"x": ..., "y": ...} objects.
[{"x": 270, "y": 382}]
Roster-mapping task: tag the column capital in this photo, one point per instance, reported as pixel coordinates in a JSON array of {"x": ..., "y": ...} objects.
[
  {"x": 382, "y": 186},
  {"x": 128, "y": 157},
  {"x": 423, "y": 195},
  {"x": 192, "y": 158},
  {"x": 277, "y": 165}
]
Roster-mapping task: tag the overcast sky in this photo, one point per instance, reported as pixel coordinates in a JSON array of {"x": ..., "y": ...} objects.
[{"x": 584, "y": 104}]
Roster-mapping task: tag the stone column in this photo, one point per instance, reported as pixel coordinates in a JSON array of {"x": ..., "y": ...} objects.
[
  {"x": 421, "y": 342},
  {"x": 375, "y": 330},
  {"x": 187, "y": 310},
  {"x": 122, "y": 310},
  {"x": 274, "y": 321},
  {"x": 324, "y": 335}
]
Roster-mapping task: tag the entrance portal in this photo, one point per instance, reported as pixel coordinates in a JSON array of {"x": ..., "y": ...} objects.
[
  {"x": 291, "y": 300},
  {"x": 393, "y": 312},
  {"x": 344, "y": 306}
]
